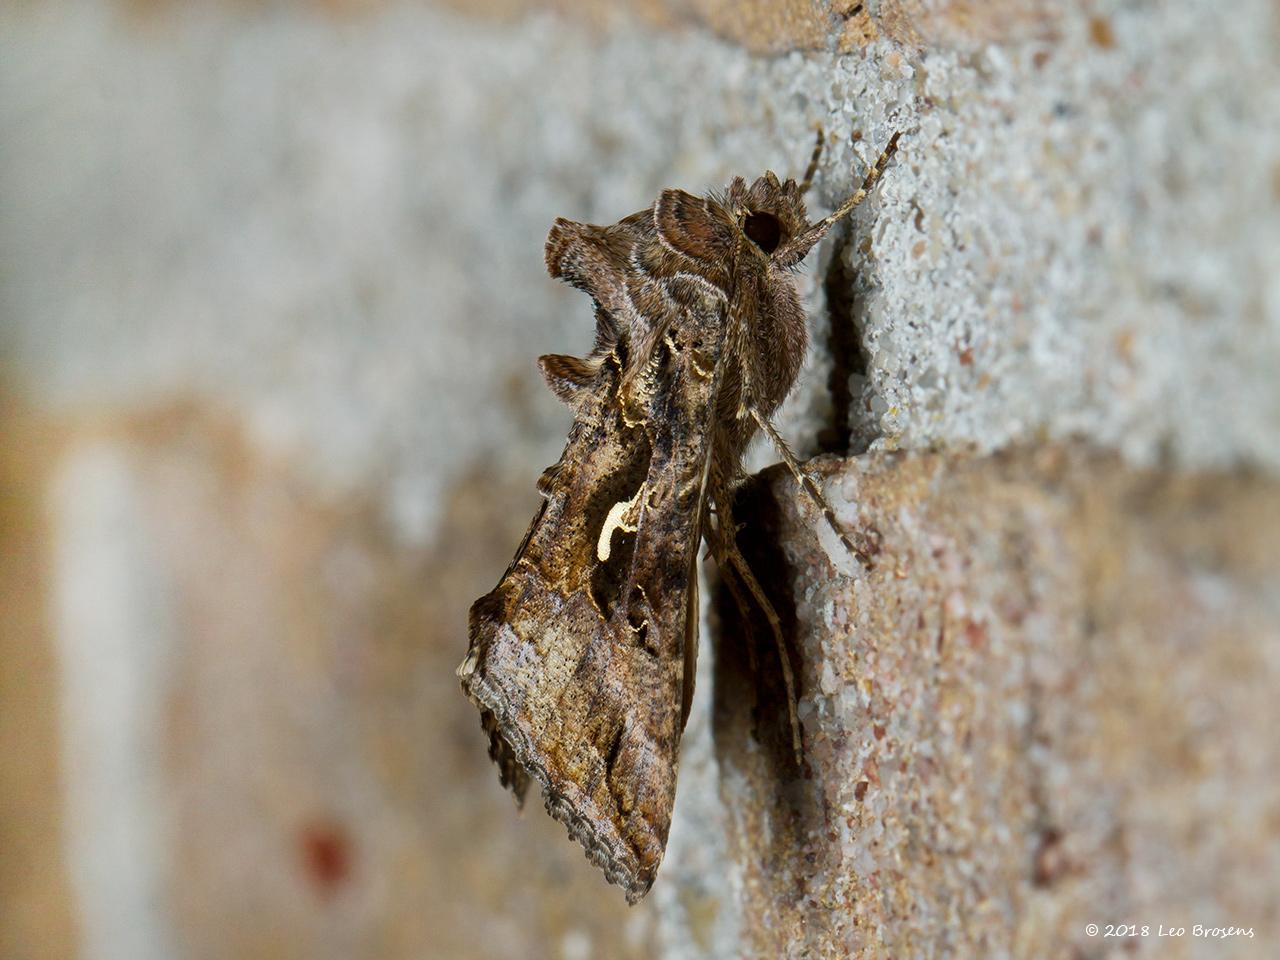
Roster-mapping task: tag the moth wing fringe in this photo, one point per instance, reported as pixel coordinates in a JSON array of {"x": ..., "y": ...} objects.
[{"x": 612, "y": 860}]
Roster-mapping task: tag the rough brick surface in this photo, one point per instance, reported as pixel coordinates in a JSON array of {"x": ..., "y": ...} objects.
[{"x": 1046, "y": 705}]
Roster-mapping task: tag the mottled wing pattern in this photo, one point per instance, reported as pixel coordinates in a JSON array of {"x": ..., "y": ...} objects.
[{"x": 579, "y": 658}]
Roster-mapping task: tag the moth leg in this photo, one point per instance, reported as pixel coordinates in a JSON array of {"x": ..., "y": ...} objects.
[
  {"x": 873, "y": 174},
  {"x": 799, "y": 245},
  {"x": 812, "y": 169},
  {"x": 808, "y": 486},
  {"x": 729, "y": 555}
]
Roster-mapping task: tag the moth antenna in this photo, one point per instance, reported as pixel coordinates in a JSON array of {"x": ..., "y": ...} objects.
[
  {"x": 775, "y": 626},
  {"x": 802, "y": 243},
  {"x": 727, "y": 551},
  {"x": 808, "y": 486},
  {"x": 812, "y": 169},
  {"x": 744, "y": 608}
]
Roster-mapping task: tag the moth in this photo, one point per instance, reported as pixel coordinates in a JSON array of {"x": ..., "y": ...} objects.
[{"x": 581, "y": 659}]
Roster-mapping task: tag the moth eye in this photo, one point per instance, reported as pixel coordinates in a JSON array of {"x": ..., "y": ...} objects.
[{"x": 764, "y": 230}]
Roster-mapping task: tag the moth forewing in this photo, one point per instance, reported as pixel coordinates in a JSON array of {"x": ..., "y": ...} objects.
[{"x": 582, "y": 653}]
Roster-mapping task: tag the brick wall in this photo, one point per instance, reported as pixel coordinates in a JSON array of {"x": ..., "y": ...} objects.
[{"x": 273, "y": 286}]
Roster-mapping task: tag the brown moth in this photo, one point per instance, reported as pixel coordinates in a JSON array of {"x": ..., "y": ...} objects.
[{"x": 582, "y": 658}]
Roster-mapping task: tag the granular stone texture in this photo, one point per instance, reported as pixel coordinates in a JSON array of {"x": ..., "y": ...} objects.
[
  {"x": 337, "y": 228},
  {"x": 1047, "y": 704}
]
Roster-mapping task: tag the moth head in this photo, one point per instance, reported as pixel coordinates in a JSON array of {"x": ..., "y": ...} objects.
[{"x": 768, "y": 213}]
